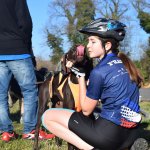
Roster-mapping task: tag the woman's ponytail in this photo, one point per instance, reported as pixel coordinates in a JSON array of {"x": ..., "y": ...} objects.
[{"x": 131, "y": 68}]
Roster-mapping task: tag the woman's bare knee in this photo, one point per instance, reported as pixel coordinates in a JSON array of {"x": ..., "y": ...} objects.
[{"x": 56, "y": 115}]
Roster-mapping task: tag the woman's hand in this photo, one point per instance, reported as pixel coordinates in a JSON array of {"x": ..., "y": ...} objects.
[
  {"x": 69, "y": 64},
  {"x": 76, "y": 71}
]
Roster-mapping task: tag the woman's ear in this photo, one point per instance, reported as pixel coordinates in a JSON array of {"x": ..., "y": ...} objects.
[{"x": 108, "y": 46}]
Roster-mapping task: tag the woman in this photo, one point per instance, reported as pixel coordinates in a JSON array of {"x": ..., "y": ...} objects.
[{"x": 115, "y": 81}]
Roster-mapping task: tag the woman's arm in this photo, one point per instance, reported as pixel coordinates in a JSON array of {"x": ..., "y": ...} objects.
[{"x": 87, "y": 104}]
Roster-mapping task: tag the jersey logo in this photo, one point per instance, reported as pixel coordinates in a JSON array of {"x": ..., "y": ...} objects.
[
  {"x": 127, "y": 124},
  {"x": 113, "y": 62},
  {"x": 130, "y": 115}
]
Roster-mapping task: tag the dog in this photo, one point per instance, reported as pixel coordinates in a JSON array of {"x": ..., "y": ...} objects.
[
  {"x": 15, "y": 94},
  {"x": 59, "y": 85}
]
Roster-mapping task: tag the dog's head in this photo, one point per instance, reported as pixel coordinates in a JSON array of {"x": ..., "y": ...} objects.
[{"x": 78, "y": 55}]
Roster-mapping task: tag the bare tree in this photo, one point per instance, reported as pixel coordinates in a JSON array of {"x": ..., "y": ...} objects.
[
  {"x": 62, "y": 13},
  {"x": 72, "y": 15},
  {"x": 63, "y": 17},
  {"x": 114, "y": 9},
  {"x": 140, "y": 5}
]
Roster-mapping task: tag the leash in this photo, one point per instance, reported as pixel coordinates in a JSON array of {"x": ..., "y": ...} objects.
[{"x": 40, "y": 82}]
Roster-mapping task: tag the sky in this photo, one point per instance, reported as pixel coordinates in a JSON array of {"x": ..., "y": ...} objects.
[
  {"x": 39, "y": 10},
  {"x": 39, "y": 13}
]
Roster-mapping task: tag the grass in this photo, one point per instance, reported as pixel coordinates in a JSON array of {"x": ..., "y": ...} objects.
[
  {"x": 20, "y": 144},
  {"x": 145, "y": 127}
]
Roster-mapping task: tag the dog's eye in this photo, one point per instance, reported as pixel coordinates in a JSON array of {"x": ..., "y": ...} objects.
[{"x": 67, "y": 57}]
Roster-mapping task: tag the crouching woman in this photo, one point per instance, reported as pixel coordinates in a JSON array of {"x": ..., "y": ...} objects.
[{"x": 115, "y": 81}]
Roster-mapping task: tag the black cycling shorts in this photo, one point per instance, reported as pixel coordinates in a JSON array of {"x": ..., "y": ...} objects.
[{"x": 101, "y": 133}]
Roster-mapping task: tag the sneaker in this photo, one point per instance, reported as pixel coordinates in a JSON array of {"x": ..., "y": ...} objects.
[
  {"x": 42, "y": 135},
  {"x": 29, "y": 136},
  {"x": 6, "y": 136},
  {"x": 140, "y": 144}
]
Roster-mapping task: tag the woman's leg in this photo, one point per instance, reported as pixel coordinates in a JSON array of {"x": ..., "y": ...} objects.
[{"x": 56, "y": 121}]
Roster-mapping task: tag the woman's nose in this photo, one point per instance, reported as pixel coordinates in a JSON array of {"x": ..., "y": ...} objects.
[{"x": 88, "y": 45}]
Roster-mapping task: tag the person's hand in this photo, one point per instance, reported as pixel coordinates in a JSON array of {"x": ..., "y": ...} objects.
[
  {"x": 69, "y": 64},
  {"x": 78, "y": 72}
]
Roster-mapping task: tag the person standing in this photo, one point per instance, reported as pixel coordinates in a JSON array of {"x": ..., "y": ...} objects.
[{"x": 15, "y": 58}]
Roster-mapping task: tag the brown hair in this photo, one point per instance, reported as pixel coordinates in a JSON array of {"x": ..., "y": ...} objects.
[{"x": 131, "y": 68}]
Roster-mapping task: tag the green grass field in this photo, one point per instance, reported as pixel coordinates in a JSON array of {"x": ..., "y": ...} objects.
[{"x": 20, "y": 144}]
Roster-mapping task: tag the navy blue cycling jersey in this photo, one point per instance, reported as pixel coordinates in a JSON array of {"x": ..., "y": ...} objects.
[{"x": 110, "y": 82}]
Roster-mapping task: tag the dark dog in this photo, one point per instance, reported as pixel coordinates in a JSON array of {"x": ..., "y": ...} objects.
[
  {"x": 14, "y": 88},
  {"x": 15, "y": 91},
  {"x": 57, "y": 86}
]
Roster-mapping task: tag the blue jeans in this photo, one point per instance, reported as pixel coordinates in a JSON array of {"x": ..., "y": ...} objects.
[{"x": 23, "y": 71}]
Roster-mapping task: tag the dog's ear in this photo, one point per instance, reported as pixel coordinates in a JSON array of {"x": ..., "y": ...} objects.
[{"x": 63, "y": 64}]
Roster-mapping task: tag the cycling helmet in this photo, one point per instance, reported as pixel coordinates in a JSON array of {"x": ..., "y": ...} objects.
[{"x": 105, "y": 28}]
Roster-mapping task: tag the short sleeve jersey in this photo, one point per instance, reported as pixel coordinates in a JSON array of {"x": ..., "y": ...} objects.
[{"x": 110, "y": 82}]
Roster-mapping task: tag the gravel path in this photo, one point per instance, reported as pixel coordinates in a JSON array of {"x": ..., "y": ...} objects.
[{"x": 145, "y": 94}]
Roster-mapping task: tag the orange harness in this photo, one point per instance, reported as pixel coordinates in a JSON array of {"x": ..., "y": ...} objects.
[
  {"x": 75, "y": 92},
  {"x": 61, "y": 86},
  {"x": 50, "y": 87},
  {"x": 74, "y": 89}
]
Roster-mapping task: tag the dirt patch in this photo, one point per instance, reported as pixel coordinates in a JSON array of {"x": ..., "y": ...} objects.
[{"x": 146, "y": 85}]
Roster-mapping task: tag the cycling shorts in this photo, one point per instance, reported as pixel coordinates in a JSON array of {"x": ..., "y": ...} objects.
[{"x": 101, "y": 133}]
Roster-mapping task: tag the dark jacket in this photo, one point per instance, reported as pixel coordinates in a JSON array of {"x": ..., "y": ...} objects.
[{"x": 15, "y": 27}]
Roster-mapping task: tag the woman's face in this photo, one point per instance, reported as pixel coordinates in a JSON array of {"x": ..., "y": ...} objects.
[{"x": 95, "y": 48}]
